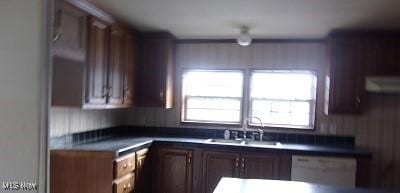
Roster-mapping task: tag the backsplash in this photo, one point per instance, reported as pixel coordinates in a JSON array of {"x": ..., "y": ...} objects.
[
  {"x": 66, "y": 120},
  {"x": 377, "y": 129},
  {"x": 202, "y": 133}
]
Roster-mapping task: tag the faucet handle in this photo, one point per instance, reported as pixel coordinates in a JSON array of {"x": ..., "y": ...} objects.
[
  {"x": 234, "y": 135},
  {"x": 259, "y": 134},
  {"x": 256, "y": 135}
]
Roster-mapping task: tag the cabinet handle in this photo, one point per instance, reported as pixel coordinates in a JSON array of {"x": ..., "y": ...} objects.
[
  {"x": 57, "y": 35},
  {"x": 161, "y": 95},
  {"x": 243, "y": 163},
  {"x": 190, "y": 159},
  {"x": 58, "y": 29},
  {"x": 237, "y": 162}
]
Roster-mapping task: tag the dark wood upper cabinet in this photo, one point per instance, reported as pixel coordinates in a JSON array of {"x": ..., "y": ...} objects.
[
  {"x": 130, "y": 44},
  {"x": 383, "y": 56},
  {"x": 93, "y": 58},
  {"x": 155, "y": 70},
  {"x": 260, "y": 166},
  {"x": 352, "y": 56},
  {"x": 218, "y": 164},
  {"x": 173, "y": 170},
  {"x": 69, "y": 54},
  {"x": 70, "y": 33},
  {"x": 118, "y": 61},
  {"x": 345, "y": 81},
  {"x": 97, "y": 89}
]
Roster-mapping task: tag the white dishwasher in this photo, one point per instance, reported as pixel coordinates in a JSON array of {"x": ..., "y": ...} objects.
[{"x": 324, "y": 170}]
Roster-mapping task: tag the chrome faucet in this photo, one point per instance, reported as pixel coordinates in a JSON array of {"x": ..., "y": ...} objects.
[{"x": 260, "y": 130}]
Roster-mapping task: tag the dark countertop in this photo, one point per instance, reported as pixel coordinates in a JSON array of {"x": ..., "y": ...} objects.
[
  {"x": 236, "y": 185},
  {"x": 121, "y": 145}
]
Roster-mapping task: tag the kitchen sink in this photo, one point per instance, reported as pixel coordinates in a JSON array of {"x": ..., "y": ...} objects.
[
  {"x": 229, "y": 141},
  {"x": 243, "y": 142},
  {"x": 262, "y": 143}
]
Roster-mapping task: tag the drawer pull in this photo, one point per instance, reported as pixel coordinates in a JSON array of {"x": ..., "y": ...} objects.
[
  {"x": 125, "y": 187},
  {"x": 127, "y": 165}
]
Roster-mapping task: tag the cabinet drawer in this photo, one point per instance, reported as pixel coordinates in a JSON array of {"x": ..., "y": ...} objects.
[
  {"x": 124, "y": 165},
  {"x": 124, "y": 184}
]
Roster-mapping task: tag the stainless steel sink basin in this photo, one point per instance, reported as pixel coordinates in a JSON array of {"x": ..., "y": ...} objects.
[
  {"x": 243, "y": 142},
  {"x": 229, "y": 141},
  {"x": 262, "y": 143}
]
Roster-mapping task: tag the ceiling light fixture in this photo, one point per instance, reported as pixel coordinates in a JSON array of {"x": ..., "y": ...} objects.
[{"x": 244, "y": 39}]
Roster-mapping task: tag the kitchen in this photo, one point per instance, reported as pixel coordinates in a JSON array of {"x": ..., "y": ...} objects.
[
  {"x": 181, "y": 103},
  {"x": 160, "y": 97}
]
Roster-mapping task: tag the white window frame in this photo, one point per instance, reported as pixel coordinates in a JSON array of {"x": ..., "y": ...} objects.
[
  {"x": 184, "y": 99},
  {"x": 312, "y": 102}
]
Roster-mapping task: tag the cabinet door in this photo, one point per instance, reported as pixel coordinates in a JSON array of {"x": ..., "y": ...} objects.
[
  {"x": 117, "y": 65},
  {"x": 218, "y": 164},
  {"x": 70, "y": 32},
  {"x": 69, "y": 55},
  {"x": 382, "y": 56},
  {"x": 150, "y": 74},
  {"x": 345, "y": 77},
  {"x": 155, "y": 72},
  {"x": 143, "y": 171},
  {"x": 130, "y": 69},
  {"x": 259, "y": 166},
  {"x": 174, "y": 171},
  {"x": 96, "y": 89}
]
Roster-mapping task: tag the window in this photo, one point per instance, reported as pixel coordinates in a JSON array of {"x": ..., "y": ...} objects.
[
  {"x": 212, "y": 96},
  {"x": 283, "y": 98}
]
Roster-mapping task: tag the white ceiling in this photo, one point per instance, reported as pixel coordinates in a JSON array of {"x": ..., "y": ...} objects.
[{"x": 266, "y": 18}]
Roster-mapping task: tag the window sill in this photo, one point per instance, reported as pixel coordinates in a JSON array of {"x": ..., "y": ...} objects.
[
  {"x": 285, "y": 127},
  {"x": 210, "y": 124}
]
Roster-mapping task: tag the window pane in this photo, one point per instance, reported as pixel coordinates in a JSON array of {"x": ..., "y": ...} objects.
[
  {"x": 212, "y": 96},
  {"x": 283, "y": 97},
  {"x": 213, "y": 103},
  {"x": 287, "y": 113},
  {"x": 213, "y": 83},
  {"x": 213, "y": 109},
  {"x": 209, "y": 115},
  {"x": 283, "y": 85}
]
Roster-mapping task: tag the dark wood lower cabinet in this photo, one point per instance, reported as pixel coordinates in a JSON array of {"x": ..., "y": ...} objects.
[
  {"x": 143, "y": 171},
  {"x": 259, "y": 166},
  {"x": 169, "y": 169},
  {"x": 218, "y": 164},
  {"x": 173, "y": 172}
]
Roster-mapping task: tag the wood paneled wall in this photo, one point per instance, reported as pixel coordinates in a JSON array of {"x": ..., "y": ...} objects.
[
  {"x": 377, "y": 128},
  {"x": 308, "y": 56},
  {"x": 66, "y": 120}
]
